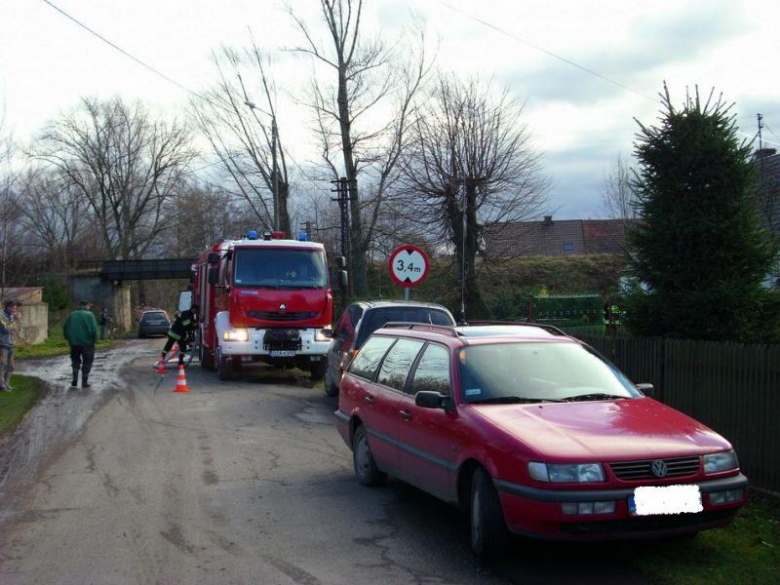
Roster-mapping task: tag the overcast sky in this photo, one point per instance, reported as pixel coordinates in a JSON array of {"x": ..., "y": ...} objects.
[{"x": 580, "y": 121}]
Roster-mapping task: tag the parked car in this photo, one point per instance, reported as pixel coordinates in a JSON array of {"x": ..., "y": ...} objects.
[
  {"x": 361, "y": 319},
  {"x": 154, "y": 322},
  {"x": 532, "y": 432}
]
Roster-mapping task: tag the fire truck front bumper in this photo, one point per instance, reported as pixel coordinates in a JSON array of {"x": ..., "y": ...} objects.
[{"x": 275, "y": 343}]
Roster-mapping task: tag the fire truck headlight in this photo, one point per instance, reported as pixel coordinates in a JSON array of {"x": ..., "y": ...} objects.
[
  {"x": 236, "y": 335},
  {"x": 323, "y": 335}
]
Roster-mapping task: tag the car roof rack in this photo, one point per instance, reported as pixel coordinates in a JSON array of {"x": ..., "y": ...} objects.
[
  {"x": 445, "y": 329},
  {"x": 551, "y": 328}
]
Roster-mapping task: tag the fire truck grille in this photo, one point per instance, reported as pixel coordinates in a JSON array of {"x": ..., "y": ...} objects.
[
  {"x": 634, "y": 470},
  {"x": 271, "y": 316}
]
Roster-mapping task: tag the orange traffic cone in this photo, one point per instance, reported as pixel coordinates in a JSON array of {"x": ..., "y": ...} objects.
[
  {"x": 181, "y": 382},
  {"x": 161, "y": 366}
]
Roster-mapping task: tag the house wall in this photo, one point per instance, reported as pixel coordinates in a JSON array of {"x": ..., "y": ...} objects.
[{"x": 34, "y": 318}]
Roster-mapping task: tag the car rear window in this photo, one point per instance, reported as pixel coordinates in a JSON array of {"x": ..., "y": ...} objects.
[
  {"x": 398, "y": 362},
  {"x": 367, "y": 361},
  {"x": 156, "y": 317},
  {"x": 376, "y": 318}
]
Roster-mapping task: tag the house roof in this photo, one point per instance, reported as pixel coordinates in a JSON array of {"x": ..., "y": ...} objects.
[
  {"x": 557, "y": 237},
  {"x": 23, "y": 294},
  {"x": 768, "y": 181}
]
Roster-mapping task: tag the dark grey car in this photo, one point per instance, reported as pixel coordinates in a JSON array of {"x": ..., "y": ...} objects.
[
  {"x": 153, "y": 323},
  {"x": 361, "y": 319}
]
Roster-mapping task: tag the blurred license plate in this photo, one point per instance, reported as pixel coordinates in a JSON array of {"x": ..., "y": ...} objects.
[
  {"x": 670, "y": 499},
  {"x": 282, "y": 353}
]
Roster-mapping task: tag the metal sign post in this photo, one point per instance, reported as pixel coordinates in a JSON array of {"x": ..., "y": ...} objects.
[{"x": 408, "y": 266}]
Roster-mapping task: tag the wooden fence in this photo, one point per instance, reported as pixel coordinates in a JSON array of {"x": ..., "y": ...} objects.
[{"x": 734, "y": 389}]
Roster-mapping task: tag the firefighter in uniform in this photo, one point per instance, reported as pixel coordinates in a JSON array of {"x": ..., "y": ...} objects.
[{"x": 181, "y": 332}]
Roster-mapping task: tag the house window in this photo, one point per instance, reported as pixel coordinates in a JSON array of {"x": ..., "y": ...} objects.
[{"x": 568, "y": 246}]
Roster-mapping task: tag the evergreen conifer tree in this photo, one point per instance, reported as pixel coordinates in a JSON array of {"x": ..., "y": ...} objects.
[{"x": 700, "y": 245}]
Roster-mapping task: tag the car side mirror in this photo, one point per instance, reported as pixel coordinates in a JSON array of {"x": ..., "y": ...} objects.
[
  {"x": 646, "y": 389},
  {"x": 343, "y": 279},
  {"x": 428, "y": 399},
  {"x": 213, "y": 258},
  {"x": 341, "y": 262},
  {"x": 213, "y": 275}
]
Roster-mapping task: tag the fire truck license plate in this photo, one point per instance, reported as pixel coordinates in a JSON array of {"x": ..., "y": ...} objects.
[{"x": 282, "y": 353}]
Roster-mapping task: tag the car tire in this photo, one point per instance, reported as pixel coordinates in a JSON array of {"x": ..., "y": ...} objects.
[
  {"x": 366, "y": 471},
  {"x": 224, "y": 368},
  {"x": 489, "y": 534},
  {"x": 330, "y": 385}
]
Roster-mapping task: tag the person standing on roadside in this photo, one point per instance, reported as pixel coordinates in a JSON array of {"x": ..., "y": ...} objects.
[
  {"x": 104, "y": 321},
  {"x": 81, "y": 331},
  {"x": 9, "y": 325}
]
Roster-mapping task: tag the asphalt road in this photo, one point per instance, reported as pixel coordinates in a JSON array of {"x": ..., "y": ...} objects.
[{"x": 239, "y": 482}]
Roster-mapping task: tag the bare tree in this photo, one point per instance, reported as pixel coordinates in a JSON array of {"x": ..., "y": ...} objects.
[
  {"x": 365, "y": 76},
  {"x": 471, "y": 167},
  {"x": 55, "y": 212},
  {"x": 126, "y": 165},
  {"x": 205, "y": 214},
  {"x": 238, "y": 118},
  {"x": 619, "y": 200},
  {"x": 9, "y": 209}
]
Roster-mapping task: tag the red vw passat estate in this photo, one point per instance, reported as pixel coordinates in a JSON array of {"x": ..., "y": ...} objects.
[{"x": 531, "y": 432}]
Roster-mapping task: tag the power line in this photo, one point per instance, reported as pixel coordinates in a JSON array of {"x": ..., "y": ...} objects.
[
  {"x": 771, "y": 132},
  {"x": 121, "y": 50},
  {"x": 546, "y": 52}
]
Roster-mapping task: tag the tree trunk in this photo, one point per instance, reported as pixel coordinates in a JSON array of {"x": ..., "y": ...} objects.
[
  {"x": 358, "y": 268},
  {"x": 476, "y": 307},
  {"x": 284, "y": 214}
]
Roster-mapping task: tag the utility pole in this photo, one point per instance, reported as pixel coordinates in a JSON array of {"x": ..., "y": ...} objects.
[
  {"x": 344, "y": 200},
  {"x": 760, "y": 127}
]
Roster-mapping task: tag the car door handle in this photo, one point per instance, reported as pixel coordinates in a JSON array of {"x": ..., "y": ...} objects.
[
  {"x": 405, "y": 414},
  {"x": 369, "y": 399}
]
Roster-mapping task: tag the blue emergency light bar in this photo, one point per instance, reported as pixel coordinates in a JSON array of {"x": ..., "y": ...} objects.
[
  {"x": 252, "y": 235},
  {"x": 302, "y": 237}
]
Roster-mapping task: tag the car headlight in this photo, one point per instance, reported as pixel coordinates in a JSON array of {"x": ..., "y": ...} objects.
[
  {"x": 323, "y": 335},
  {"x": 717, "y": 462},
  {"x": 236, "y": 335},
  {"x": 566, "y": 472}
]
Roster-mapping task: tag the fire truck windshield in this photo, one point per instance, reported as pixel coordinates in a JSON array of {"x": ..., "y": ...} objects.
[{"x": 279, "y": 268}]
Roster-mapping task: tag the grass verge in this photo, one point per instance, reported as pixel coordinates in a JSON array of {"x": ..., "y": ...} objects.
[
  {"x": 15, "y": 404},
  {"x": 55, "y": 345},
  {"x": 747, "y": 551}
]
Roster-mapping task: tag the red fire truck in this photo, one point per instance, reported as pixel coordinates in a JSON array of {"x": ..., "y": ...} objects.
[{"x": 264, "y": 298}]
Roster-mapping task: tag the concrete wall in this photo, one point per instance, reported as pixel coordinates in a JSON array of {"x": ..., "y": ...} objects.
[
  {"x": 102, "y": 293},
  {"x": 34, "y": 318}
]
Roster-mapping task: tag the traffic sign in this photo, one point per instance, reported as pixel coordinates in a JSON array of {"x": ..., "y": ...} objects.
[{"x": 408, "y": 266}]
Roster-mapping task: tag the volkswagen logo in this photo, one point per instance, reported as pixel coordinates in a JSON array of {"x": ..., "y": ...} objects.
[
  {"x": 282, "y": 308},
  {"x": 659, "y": 468}
]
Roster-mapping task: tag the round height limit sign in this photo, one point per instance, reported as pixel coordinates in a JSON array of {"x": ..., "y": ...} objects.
[{"x": 408, "y": 266}]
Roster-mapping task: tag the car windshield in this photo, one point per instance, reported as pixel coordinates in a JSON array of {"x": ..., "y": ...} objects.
[
  {"x": 280, "y": 268},
  {"x": 538, "y": 372},
  {"x": 375, "y": 319}
]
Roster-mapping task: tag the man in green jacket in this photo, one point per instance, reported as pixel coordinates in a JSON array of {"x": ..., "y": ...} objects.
[{"x": 81, "y": 331}]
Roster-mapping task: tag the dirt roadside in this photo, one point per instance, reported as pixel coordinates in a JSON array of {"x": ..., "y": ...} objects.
[{"x": 52, "y": 424}]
